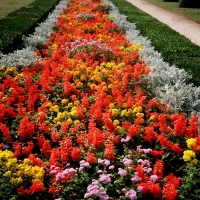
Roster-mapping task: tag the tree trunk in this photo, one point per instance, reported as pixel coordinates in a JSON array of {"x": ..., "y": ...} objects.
[{"x": 189, "y": 4}]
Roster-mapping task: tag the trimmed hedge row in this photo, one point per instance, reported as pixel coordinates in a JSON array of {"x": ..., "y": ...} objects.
[
  {"x": 175, "y": 49},
  {"x": 22, "y": 22}
]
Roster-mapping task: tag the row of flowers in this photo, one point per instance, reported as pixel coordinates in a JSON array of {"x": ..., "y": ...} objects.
[
  {"x": 165, "y": 79},
  {"x": 80, "y": 122}
]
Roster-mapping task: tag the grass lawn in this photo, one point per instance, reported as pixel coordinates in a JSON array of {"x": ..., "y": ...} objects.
[
  {"x": 191, "y": 13},
  {"x": 7, "y": 6}
]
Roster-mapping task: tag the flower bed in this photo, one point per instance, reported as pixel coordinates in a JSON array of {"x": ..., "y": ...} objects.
[{"x": 81, "y": 124}]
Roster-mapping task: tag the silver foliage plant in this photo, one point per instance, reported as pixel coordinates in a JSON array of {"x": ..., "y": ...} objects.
[
  {"x": 168, "y": 83},
  {"x": 26, "y": 56}
]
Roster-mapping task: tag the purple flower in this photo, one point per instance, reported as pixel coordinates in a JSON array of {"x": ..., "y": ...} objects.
[
  {"x": 59, "y": 176},
  {"x": 83, "y": 163},
  {"x": 104, "y": 162},
  {"x": 95, "y": 182},
  {"x": 154, "y": 178},
  {"x": 80, "y": 169},
  {"x": 140, "y": 188},
  {"x": 127, "y": 139},
  {"x": 53, "y": 172},
  {"x": 147, "y": 150},
  {"x": 111, "y": 167},
  {"x": 131, "y": 194},
  {"x": 140, "y": 161},
  {"x": 136, "y": 177},
  {"x": 87, "y": 195},
  {"x": 72, "y": 170},
  {"x": 149, "y": 170},
  {"x": 127, "y": 162},
  {"x": 122, "y": 172},
  {"x": 105, "y": 178}
]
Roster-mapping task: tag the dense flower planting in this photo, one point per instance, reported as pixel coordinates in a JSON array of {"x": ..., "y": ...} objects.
[{"x": 82, "y": 125}]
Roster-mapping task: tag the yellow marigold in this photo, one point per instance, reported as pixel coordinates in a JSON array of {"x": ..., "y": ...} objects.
[
  {"x": 123, "y": 113},
  {"x": 16, "y": 181},
  {"x": 111, "y": 105},
  {"x": 5, "y": 156},
  {"x": 8, "y": 173},
  {"x": 191, "y": 142},
  {"x": 11, "y": 163},
  {"x": 194, "y": 161},
  {"x": 140, "y": 114},
  {"x": 152, "y": 118},
  {"x": 60, "y": 115},
  {"x": 64, "y": 101},
  {"x": 115, "y": 111},
  {"x": 116, "y": 122},
  {"x": 188, "y": 155}
]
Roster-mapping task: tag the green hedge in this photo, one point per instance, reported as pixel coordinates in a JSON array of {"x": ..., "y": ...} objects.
[
  {"x": 175, "y": 48},
  {"x": 23, "y": 22}
]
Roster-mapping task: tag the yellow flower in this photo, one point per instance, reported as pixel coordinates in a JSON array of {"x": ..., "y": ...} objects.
[
  {"x": 111, "y": 105},
  {"x": 4, "y": 99},
  {"x": 56, "y": 119},
  {"x": 140, "y": 114},
  {"x": 8, "y": 173},
  {"x": 124, "y": 105},
  {"x": 11, "y": 89},
  {"x": 116, "y": 122},
  {"x": 70, "y": 105},
  {"x": 194, "y": 161},
  {"x": 64, "y": 101},
  {"x": 191, "y": 142},
  {"x": 188, "y": 155},
  {"x": 115, "y": 111},
  {"x": 69, "y": 121},
  {"x": 123, "y": 113},
  {"x": 60, "y": 115},
  {"x": 152, "y": 118},
  {"x": 77, "y": 122}
]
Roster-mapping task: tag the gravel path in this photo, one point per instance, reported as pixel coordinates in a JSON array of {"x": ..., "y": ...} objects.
[{"x": 182, "y": 25}]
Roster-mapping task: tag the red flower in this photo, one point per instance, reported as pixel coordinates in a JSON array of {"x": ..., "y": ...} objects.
[
  {"x": 27, "y": 150},
  {"x": 55, "y": 136},
  {"x": 36, "y": 187},
  {"x": 6, "y": 133},
  {"x": 75, "y": 154},
  {"x": 65, "y": 126},
  {"x": 133, "y": 131},
  {"x": 35, "y": 160},
  {"x": 46, "y": 148},
  {"x": 159, "y": 169},
  {"x": 109, "y": 151},
  {"x": 171, "y": 184},
  {"x": 156, "y": 153},
  {"x": 180, "y": 125},
  {"x": 91, "y": 158},
  {"x": 26, "y": 128},
  {"x": 193, "y": 128},
  {"x": 150, "y": 134},
  {"x": 23, "y": 191}
]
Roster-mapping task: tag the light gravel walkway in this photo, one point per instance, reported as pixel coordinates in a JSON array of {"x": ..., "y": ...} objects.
[{"x": 182, "y": 25}]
